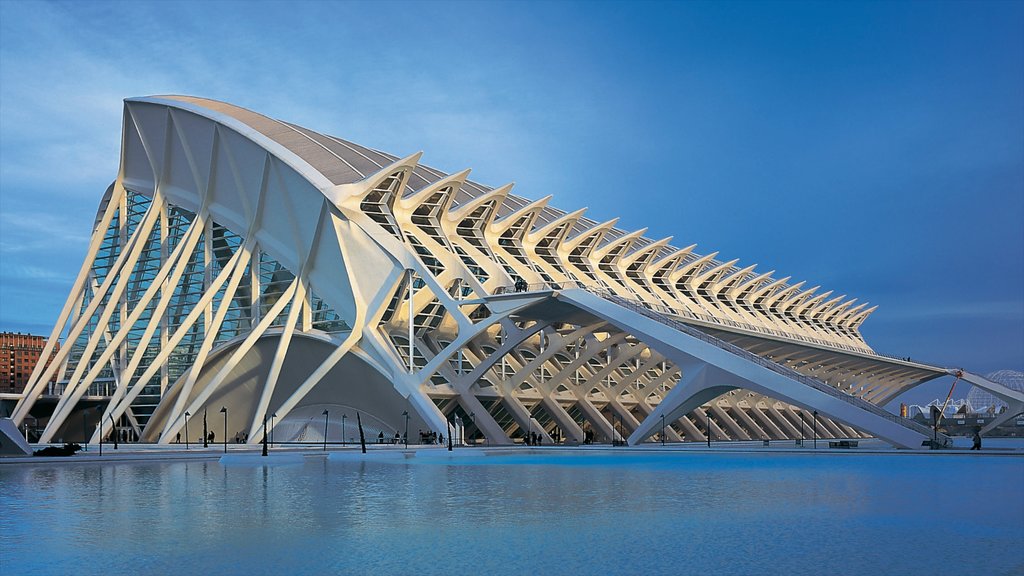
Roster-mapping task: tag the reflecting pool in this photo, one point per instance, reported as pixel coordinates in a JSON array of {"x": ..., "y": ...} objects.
[{"x": 605, "y": 512}]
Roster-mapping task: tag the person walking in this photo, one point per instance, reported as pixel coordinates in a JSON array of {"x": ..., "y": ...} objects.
[{"x": 977, "y": 439}]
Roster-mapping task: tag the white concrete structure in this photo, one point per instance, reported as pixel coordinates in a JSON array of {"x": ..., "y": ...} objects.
[{"x": 244, "y": 263}]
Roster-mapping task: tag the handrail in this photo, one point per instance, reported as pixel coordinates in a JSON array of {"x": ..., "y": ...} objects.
[{"x": 648, "y": 311}]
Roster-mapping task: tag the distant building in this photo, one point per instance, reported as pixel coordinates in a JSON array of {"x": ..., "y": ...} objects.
[
  {"x": 983, "y": 401},
  {"x": 962, "y": 417},
  {"x": 19, "y": 354}
]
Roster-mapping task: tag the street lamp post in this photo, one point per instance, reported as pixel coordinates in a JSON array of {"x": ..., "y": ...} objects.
[
  {"x": 615, "y": 441},
  {"x": 85, "y": 431},
  {"x": 343, "y": 416},
  {"x": 448, "y": 423},
  {"x": 272, "y": 416},
  {"x": 264, "y": 433},
  {"x": 406, "y": 414},
  {"x": 186, "y": 429},
  {"x": 662, "y": 429},
  {"x": 327, "y": 419},
  {"x": 707, "y": 424},
  {"x": 815, "y": 429},
  {"x": 801, "y": 428},
  {"x": 99, "y": 428},
  {"x": 472, "y": 418},
  {"x": 206, "y": 442},
  {"x": 224, "y": 411},
  {"x": 114, "y": 427}
]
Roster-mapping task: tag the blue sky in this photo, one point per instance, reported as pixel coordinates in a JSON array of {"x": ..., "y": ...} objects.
[{"x": 875, "y": 149}]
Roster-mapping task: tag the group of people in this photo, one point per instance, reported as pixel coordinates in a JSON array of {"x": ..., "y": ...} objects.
[
  {"x": 124, "y": 435},
  {"x": 431, "y": 437},
  {"x": 533, "y": 439},
  {"x": 382, "y": 439},
  {"x": 240, "y": 438}
]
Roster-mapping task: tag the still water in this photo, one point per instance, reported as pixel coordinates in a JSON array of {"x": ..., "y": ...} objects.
[{"x": 556, "y": 513}]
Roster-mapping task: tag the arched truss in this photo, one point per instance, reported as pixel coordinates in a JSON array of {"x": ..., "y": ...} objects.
[{"x": 228, "y": 234}]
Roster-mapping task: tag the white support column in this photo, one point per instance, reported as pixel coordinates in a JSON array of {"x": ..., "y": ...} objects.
[
  {"x": 412, "y": 321},
  {"x": 307, "y": 312},
  {"x": 483, "y": 419},
  {"x": 279, "y": 356},
  {"x": 134, "y": 247},
  {"x": 744, "y": 415},
  {"x": 670, "y": 433},
  {"x": 174, "y": 418},
  {"x": 179, "y": 334},
  {"x": 314, "y": 378},
  {"x": 164, "y": 287},
  {"x": 626, "y": 418},
  {"x": 40, "y": 374},
  {"x": 721, "y": 416},
  {"x": 183, "y": 248},
  {"x": 236, "y": 270},
  {"x": 172, "y": 271},
  {"x": 766, "y": 423},
  {"x": 126, "y": 259},
  {"x": 207, "y": 272},
  {"x": 255, "y": 267},
  {"x": 785, "y": 425},
  {"x": 569, "y": 426}
]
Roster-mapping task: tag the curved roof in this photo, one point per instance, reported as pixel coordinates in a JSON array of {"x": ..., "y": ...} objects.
[{"x": 342, "y": 162}]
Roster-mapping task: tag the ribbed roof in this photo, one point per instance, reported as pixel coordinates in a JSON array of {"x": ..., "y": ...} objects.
[{"x": 344, "y": 162}]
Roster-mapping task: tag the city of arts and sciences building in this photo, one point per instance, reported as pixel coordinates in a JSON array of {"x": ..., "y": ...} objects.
[{"x": 247, "y": 264}]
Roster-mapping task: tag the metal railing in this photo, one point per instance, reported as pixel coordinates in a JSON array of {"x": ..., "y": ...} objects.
[{"x": 651, "y": 312}]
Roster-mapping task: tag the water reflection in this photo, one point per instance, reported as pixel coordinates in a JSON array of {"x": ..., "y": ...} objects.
[{"x": 737, "y": 514}]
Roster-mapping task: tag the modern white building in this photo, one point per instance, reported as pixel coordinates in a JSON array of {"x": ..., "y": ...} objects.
[{"x": 251, "y": 271}]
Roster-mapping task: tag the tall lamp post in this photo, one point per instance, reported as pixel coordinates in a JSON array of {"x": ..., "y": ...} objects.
[
  {"x": 707, "y": 424},
  {"x": 114, "y": 426},
  {"x": 272, "y": 416},
  {"x": 327, "y": 418},
  {"x": 206, "y": 442},
  {"x": 406, "y": 414},
  {"x": 801, "y": 428},
  {"x": 85, "y": 431},
  {"x": 472, "y": 418},
  {"x": 224, "y": 411},
  {"x": 615, "y": 441},
  {"x": 264, "y": 433},
  {"x": 343, "y": 416},
  {"x": 815, "y": 429},
  {"x": 448, "y": 423},
  {"x": 662, "y": 429},
  {"x": 186, "y": 429},
  {"x": 99, "y": 427}
]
